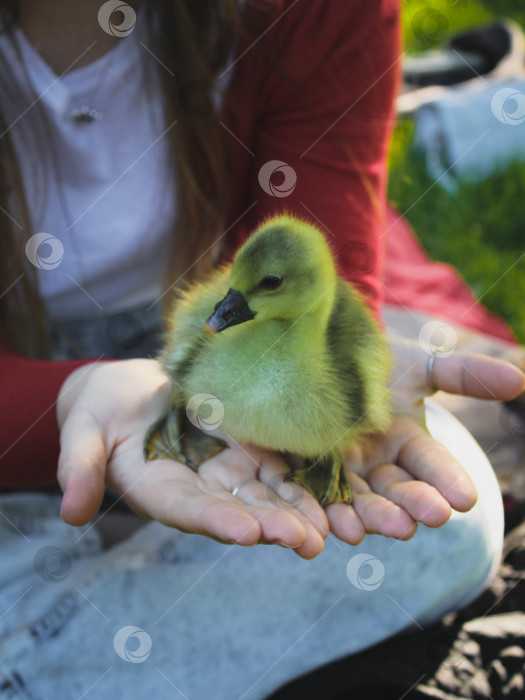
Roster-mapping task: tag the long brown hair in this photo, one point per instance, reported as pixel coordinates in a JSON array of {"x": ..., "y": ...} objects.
[{"x": 195, "y": 43}]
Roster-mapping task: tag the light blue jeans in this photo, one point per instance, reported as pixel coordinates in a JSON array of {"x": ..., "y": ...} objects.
[{"x": 164, "y": 614}]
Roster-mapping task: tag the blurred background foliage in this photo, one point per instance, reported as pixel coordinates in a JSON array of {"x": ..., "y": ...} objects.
[{"x": 481, "y": 228}]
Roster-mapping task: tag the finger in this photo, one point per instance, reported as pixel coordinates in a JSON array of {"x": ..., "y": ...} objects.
[
  {"x": 420, "y": 500},
  {"x": 345, "y": 524},
  {"x": 479, "y": 376},
  {"x": 190, "y": 509},
  {"x": 81, "y": 468},
  {"x": 289, "y": 496},
  {"x": 378, "y": 514},
  {"x": 281, "y": 524},
  {"x": 288, "y": 530},
  {"x": 428, "y": 460},
  {"x": 167, "y": 491},
  {"x": 248, "y": 465}
]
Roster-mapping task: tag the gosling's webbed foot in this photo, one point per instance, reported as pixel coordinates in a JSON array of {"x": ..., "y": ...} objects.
[
  {"x": 162, "y": 439},
  {"x": 172, "y": 436},
  {"x": 325, "y": 478}
]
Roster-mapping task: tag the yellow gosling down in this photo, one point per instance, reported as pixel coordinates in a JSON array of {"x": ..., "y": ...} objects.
[{"x": 290, "y": 354}]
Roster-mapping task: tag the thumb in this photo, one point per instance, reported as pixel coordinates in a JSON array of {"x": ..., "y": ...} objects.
[{"x": 81, "y": 468}]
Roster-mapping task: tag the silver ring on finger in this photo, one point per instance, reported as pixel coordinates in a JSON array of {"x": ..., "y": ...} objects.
[
  {"x": 239, "y": 486},
  {"x": 430, "y": 369}
]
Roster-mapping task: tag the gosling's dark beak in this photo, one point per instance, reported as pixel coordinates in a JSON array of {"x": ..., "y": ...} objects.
[{"x": 230, "y": 311}]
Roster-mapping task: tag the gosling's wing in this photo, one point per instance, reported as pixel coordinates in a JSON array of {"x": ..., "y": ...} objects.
[
  {"x": 185, "y": 333},
  {"x": 360, "y": 355}
]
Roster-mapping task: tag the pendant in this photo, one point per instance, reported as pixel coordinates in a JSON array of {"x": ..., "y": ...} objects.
[{"x": 84, "y": 114}]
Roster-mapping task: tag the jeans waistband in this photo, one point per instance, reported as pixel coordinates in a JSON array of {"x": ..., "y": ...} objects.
[{"x": 125, "y": 335}]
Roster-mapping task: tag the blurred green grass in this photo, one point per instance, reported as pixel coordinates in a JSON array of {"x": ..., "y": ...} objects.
[{"x": 479, "y": 229}]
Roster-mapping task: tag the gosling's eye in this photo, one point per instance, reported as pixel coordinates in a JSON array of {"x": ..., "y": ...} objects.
[{"x": 270, "y": 282}]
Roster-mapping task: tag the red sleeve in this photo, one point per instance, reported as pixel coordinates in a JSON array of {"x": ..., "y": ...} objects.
[
  {"x": 316, "y": 91},
  {"x": 313, "y": 87},
  {"x": 29, "y": 437}
]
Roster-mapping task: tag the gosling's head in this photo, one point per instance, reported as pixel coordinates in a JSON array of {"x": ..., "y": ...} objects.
[{"x": 284, "y": 271}]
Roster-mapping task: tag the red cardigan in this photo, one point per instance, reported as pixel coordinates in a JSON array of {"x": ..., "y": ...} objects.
[{"x": 313, "y": 88}]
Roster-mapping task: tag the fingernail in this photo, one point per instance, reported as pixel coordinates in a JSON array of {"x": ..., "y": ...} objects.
[{"x": 288, "y": 546}]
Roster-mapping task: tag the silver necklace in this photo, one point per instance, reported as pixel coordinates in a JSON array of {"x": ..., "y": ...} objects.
[{"x": 86, "y": 113}]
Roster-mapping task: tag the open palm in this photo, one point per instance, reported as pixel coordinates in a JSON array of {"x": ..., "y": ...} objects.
[
  {"x": 398, "y": 478},
  {"x": 404, "y": 476},
  {"x": 203, "y": 502},
  {"x": 105, "y": 413}
]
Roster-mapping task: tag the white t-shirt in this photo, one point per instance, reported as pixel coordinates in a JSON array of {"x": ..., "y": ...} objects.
[{"x": 108, "y": 190}]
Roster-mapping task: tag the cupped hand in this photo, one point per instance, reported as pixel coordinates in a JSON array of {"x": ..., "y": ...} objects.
[
  {"x": 104, "y": 412},
  {"x": 404, "y": 476},
  {"x": 398, "y": 478}
]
